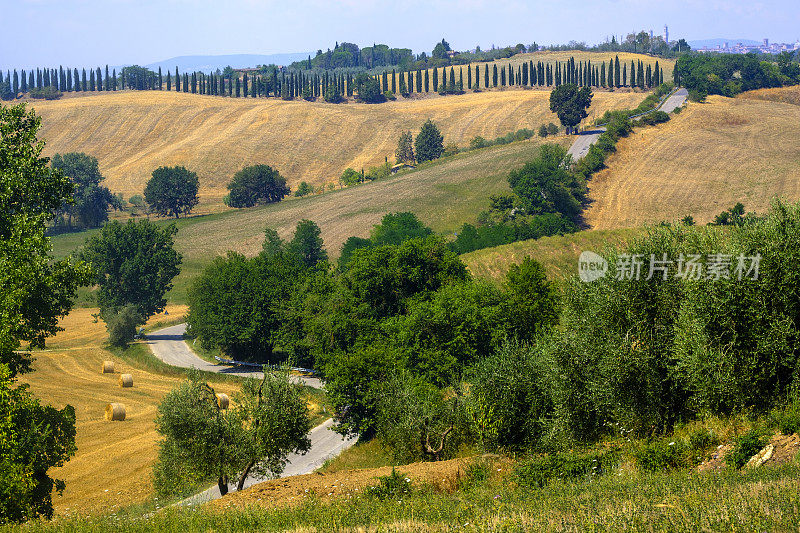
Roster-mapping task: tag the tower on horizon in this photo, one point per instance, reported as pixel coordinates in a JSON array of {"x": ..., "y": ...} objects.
[{"x": 666, "y": 34}]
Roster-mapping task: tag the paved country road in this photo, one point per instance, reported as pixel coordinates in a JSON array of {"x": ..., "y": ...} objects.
[
  {"x": 168, "y": 345},
  {"x": 585, "y": 139}
]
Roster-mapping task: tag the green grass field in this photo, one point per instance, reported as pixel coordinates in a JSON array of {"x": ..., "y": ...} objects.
[{"x": 443, "y": 194}]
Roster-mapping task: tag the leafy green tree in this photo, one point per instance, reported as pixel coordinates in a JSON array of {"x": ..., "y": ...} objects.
[
  {"x": 91, "y": 200},
  {"x": 349, "y": 247},
  {"x": 570, "y": 103},
  {"x": 368, "y": 88},
  {"x": 138, "y": 78},
  {"x": 134, "y": 263},
  {"x": 172, "y": 191},
  {"x": 429, "y": 143},
  {"x": 533, "y": 301},
  {"x": 304, "y": 189},
  {"x": 307, "y": 244},
  {"x": 350, "y": 177},
  {"x": 405, "y": 148},
  {"x": 121, "y": 324},
  {"x": 440, "y": 50},
  {"x": 546, "y": 185},
  {"x": 257, "y": 184},
  {"x": 396, "y": 228},
  {"x": 37, "y": 291}
]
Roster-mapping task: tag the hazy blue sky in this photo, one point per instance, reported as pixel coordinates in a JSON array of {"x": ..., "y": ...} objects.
[{"x": 93, "y": 32}]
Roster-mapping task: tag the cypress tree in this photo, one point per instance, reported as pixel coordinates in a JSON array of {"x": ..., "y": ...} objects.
[
  {"x": 91, "y": 80},
  {"x": 427, "y": 88},
  {"x": 160, "y": 80},
  {"x": 603, "y": 74},
  {"x": 494, "y": 75},
  {"x": 108, "y": 80},
  {"x": 24, "y": 82},
  {"x": 238, "y": 88},
  {"x": 99, "y": 79},
  {"x": 444, "y": 79},
  {"x": 502, "y": 77},
  {"x": 114, "y": 79},
  {"x": 633, "y": 79},
  {"x": 657, "y": 79},
  {"x": 419, "y": 80},
  {"x": 486, "y": 76},
  {"x": 169, "y": 81},
  {"x": 185, "y": 82},
  {"x": 177, "y": 81},
  {"x": 394, "y": 82},
  {"x": 244, "y": 85},
  {"x": 70, "y": 87},
  {"x": 624, "y": 75},
  {"x": 435, "y": 79},
  {"x": 617, "y": 79},
  {"x": 524, "y": 74},
  {"x": 84, "y": 84},
  {"x": 469, "y": 77},
  {"x": 15, "y": 83}
]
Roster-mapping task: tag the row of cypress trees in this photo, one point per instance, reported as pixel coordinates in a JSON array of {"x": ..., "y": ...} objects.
[{"x": 312, "y": 85}]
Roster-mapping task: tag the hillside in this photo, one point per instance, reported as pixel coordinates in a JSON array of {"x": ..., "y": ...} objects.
[
  {"x": 559, "y": 254},
  {"x": 443, "y": 194},
  {"x": 132, "y": 133},
  {"x": 702, "y": 162}
]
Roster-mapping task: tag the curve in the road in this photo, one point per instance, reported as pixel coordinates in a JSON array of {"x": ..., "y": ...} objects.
[{"x": 169, "y": 345}]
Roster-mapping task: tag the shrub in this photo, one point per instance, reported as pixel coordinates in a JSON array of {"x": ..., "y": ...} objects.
[
  {"x": 745, "y": 447},
  {"x": 389, "y": 95},
  {"x": 478, "y": 142},
  {"x": 552, "y": 129},
  {"x": 257, "y": 184},
  {"x": 572, "y": 465},
  {"x": 395, "y": 486},
  {"x": 45, "y": 93},
  {"x": 697, "y": 95},
  {"x": 543, "y": 131},
  {"x": 701, "y": 440},
  {"x": 656, "y": 117},
  {"x": 663, "y": 454},
  {"x": 121, "y": 325},
  {"x": 303, "y": 189}
]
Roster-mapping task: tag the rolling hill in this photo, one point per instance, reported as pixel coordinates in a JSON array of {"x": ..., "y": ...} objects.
[
  {"x": 702, "y": 162},
  {"x": 132, "y": 133},
  {"x": 444, "y": 194}
]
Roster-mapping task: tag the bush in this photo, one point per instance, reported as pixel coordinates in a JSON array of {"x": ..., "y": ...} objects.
[
  {"x": 745, "y": 447},
  {"x": 257, "y": 184},
  {"x": 389, "y": 95},
  {"x": 552, "y": 129},
  {"x": 478, "y": 142},
  {"x": 45, "y": 93},
  {"x": 543, "y": 131},
  {"x": 656, "y": 117},
  {"x": 696, "y": 95},
  {"x": 395, "y": 486},
  {"x": 121, "y": 325},
  {"x": 303, "y": 189},
  {"x": 537, "y": 472},
  {"x": 663, "y": 454}
]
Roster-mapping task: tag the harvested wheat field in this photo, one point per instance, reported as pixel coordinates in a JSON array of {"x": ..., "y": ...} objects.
[
  {"x": 786, "y": 95},
  {"x": 700, "y": 163},
  {"x": 112, "y": 467},
  {"x": 132, "y": 133}
]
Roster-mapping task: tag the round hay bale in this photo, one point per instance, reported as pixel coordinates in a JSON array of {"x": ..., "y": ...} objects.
[
  {"x": 115, "y": 412},
  {"x": 223, "y": 401},
  {"x": 108, "y": 367},
  {"x": 125, "y": 380}
]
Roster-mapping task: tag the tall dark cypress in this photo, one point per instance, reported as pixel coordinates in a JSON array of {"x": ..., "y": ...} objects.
[
  {"x": 617, "y": 79},
  {"x": 15, "y": 83},
  {"x": 244, "y": 85},
  {"x": 160, "y": 80},
  {"x": 444, "y": 78},
  {"x": 108, "y": 80},
  {"x": 394, "y": 82},
  {"x": 99, "y": 79},
  {"x": 603, "y": 74},
  {"x": 419, "y": 80},
  {"x": 238, "y": 87},
  {"x": 177, "y": 81},
  {"x": 494, "y": 75},
  {"x": 435, "y": 79},
  {"x": 624, "y": 75},
  {"x": 427, "y": 80},
  {"x": 169, "y": 81},
  {"x": 469, "y": 77},
  {"x": 632, "y": 71},
  {"x": 24, "y": 83},
  {"x": 114, "y": 79},
  {"x": 486, "y": 76},
  {"x": 524, "y": 79}
]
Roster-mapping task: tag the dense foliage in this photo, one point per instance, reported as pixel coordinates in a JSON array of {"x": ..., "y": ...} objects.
[
  {"x": 570, "y": 104},
  {"x": 257, "y": 184},
  {"x": 429, "y": 143},
  {"x": 730, "y": 74},
  {"x": 172, "y": 191},
  {"x": 134, "y": 263},
  {"x": 91, "y": 201},
  {"x": 201, "y": 440},
  {"x": 37, "y": 291}
]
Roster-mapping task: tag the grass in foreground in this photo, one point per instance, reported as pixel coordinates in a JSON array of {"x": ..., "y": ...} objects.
[{"x": 753, "y": 500}]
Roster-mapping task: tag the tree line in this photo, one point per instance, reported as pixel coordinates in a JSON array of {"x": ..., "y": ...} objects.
[{"x": 333, "y": 86}]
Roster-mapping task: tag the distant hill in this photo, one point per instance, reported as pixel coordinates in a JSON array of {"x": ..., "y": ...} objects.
[
  {"x": 211, "y": 63},
  {"x": 713, "y": 43}
]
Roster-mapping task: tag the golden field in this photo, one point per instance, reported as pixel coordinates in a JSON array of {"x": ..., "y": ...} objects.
[
  {"x": 700, "y": 163},
  {"x": 132, "y": 133},
  {"x": 112, "y": 467}
]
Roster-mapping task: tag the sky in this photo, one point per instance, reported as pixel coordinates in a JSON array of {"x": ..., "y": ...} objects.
[{"x": 116, "y": 32}]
